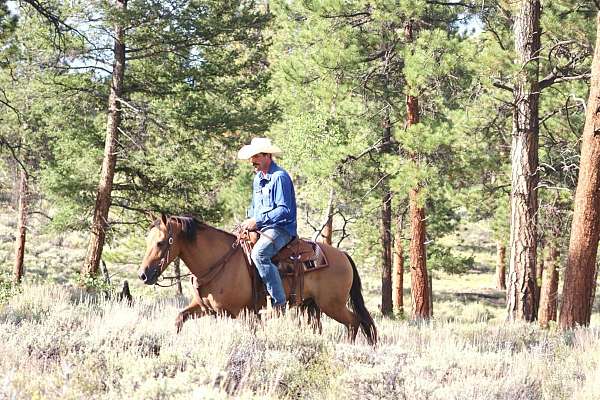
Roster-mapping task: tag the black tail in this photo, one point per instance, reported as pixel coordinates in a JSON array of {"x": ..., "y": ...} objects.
[{"x": 367, "y": 326}]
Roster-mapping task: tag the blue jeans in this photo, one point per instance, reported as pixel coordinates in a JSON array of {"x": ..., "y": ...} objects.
[{"x": 270, "y": 242}]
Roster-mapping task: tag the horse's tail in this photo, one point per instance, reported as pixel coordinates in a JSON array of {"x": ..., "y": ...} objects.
[{"x": 357, "y": 302}]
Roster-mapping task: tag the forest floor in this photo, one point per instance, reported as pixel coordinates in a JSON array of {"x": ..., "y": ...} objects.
[{"x": 57, "y": 341}]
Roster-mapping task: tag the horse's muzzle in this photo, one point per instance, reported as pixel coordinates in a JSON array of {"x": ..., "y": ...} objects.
[{"x": 149, "y": 275}]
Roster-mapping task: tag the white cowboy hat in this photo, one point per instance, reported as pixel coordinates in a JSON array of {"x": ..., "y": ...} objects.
[{"x": 256, "y": 146}]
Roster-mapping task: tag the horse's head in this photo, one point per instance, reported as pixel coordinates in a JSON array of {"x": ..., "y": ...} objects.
[{"x": 161, "y": 249}]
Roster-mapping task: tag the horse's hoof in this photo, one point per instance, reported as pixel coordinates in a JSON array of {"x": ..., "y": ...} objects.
[{"x": 179, "y": 323}]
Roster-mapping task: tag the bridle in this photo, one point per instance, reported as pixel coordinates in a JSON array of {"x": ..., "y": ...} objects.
[
  {"x": 211, "y": 272},
  {"x": 163, "y": 260}
]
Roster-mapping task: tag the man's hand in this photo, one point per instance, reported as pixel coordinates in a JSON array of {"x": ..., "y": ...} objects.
[{"x": 249, "y": 224}]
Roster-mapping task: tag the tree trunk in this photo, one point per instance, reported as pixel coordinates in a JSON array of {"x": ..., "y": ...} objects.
[
  {"x": 583, "y": 245},
  {"x": 418, "y": 259},
  {"x": 430, "y": 287},
  {"x": 21, "y": 226},
  {"x": 103, "y": 195},
  {"x": 399, "y": 267},
  {"x": 594, "y": 285},
  {"x": 539, "y": 271},
  {"x": 387, "y": 306},
  {"x": 177, "y": 267},
  {"x": 386, "y": 272},
  {"x": 500, "y": 265},
  {"x": 327, "y": 232},
  {"x": 520, "y": 296},
  {"x": 417, "y": 255},
  {"x": 549, "y": 291}
]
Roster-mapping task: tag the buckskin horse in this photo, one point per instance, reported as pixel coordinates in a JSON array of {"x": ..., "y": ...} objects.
[{"x": 224, "y": 285}]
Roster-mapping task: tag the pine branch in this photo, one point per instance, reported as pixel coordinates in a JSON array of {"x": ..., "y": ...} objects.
[
  {"x": 343, "y": 230},
  {"x": 497, "y": 36},
  {"x": 504, "y": 86},
  {"x": 6, "y": 103},
  {"x": 452, "y": 3},
  {"x": 552, "y": 79},
  {"x": 13, "y": 151},
  {"x": 352, "y": 15},
  {"x": 60, "y": 26},
  {"x": 350, "y": 157}
]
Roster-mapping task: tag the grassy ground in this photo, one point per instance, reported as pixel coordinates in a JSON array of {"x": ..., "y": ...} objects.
[{"x": 59, "y": 342}]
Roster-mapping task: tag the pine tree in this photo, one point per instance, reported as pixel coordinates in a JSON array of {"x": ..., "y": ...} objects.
[
  {"x": 113, "y": 124},
  {"x": 354, "y": 59},
  {"x": 581, "y": 265}
]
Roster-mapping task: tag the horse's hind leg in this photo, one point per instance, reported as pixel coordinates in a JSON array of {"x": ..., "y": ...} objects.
[{"x": 343, "y": 315}]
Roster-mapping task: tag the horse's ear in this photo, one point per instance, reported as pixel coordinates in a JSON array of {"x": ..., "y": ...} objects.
[
  {"x": 163, "y": 219},
  {"x": 151, "y": 216}
]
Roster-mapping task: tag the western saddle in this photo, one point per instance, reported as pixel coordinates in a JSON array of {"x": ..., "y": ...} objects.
[{"x": 298, "y": 257}]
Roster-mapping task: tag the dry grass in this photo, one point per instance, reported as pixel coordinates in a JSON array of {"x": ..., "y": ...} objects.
[{"x": 57, "y": 342}]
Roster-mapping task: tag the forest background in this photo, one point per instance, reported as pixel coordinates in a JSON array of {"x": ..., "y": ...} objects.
[{"x": 414, "y": 131}]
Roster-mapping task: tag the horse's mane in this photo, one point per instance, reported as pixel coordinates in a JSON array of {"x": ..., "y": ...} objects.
[{"x": 190, "y": 226}]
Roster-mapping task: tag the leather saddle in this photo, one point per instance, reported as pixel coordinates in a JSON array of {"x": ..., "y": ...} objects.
[
  {"x": 296, "y": 258},
  {"x": 308, "y": 253}
]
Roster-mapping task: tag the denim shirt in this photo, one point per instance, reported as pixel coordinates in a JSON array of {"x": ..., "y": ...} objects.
[{"x": 274, "y": 200}]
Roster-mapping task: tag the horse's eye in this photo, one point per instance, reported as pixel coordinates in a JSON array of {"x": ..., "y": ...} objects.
[{"x": 160, "y": 244}]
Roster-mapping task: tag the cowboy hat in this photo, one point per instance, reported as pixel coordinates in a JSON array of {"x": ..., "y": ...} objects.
[{"x": 256, "y": 146}]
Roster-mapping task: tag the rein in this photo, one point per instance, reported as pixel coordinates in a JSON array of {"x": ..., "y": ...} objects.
[{"x": 217, "y": 267}]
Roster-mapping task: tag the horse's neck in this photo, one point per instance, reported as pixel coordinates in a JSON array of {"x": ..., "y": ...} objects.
[{"x": 208, "y": 248}]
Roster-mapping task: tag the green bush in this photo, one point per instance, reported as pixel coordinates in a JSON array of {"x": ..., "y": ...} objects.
[
  {"x": 95, "y": 284},
  {"x": 8, "y": 288}
]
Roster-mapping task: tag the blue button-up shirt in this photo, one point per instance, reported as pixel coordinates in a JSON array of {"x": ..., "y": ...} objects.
[{"x": 274, "y": 200}]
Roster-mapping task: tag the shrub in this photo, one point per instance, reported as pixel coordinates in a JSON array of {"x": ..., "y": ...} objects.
[{"x": 8, "y": 288}]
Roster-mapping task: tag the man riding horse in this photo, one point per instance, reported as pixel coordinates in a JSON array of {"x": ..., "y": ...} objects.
[
  {"x": 272, "y": 213},
  {"x": 223, "y": 283}
]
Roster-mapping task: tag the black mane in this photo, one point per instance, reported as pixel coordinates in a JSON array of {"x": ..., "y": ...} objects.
[{"x": 190, "y": 226}]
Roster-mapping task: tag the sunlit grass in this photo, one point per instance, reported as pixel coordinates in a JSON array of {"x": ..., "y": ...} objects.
[{"x": 57, "y": 342}]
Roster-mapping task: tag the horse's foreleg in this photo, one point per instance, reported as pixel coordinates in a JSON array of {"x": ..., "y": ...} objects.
[
  {"x": 316, "y": 322},
  {"x": 314, "y": 319},
  {"x": 193, "y": 310},
  {"x": 311, "y": 311}
]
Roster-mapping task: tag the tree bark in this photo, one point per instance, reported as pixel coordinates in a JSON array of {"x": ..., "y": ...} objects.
[
  {"x": 520, "y": 296},
  {"x": 549, "y": 290},
  {"x": 539, "y": 271},
  {"x": 417, "y": 255},
  {"x": 418, "y": 259},
  {"x": 583, "y": 245},
  {"x": 21, "y": 226},
  {"x": 387, "y": 306},
  {"x": 103, "y": 195},
  {"x": 399, "y": 266},
  {"x": 177, "y": 267},
  {"x": 386, "y": 272},
  {"x": 430, "y": 287},
  {"x": 500, "y": 265},
  {"x": 327, "y": 232},
  {"x": 594, "y": 285}
]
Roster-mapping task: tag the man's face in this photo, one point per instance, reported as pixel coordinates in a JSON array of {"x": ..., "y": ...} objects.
[{"x": 261, "y": 162}]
